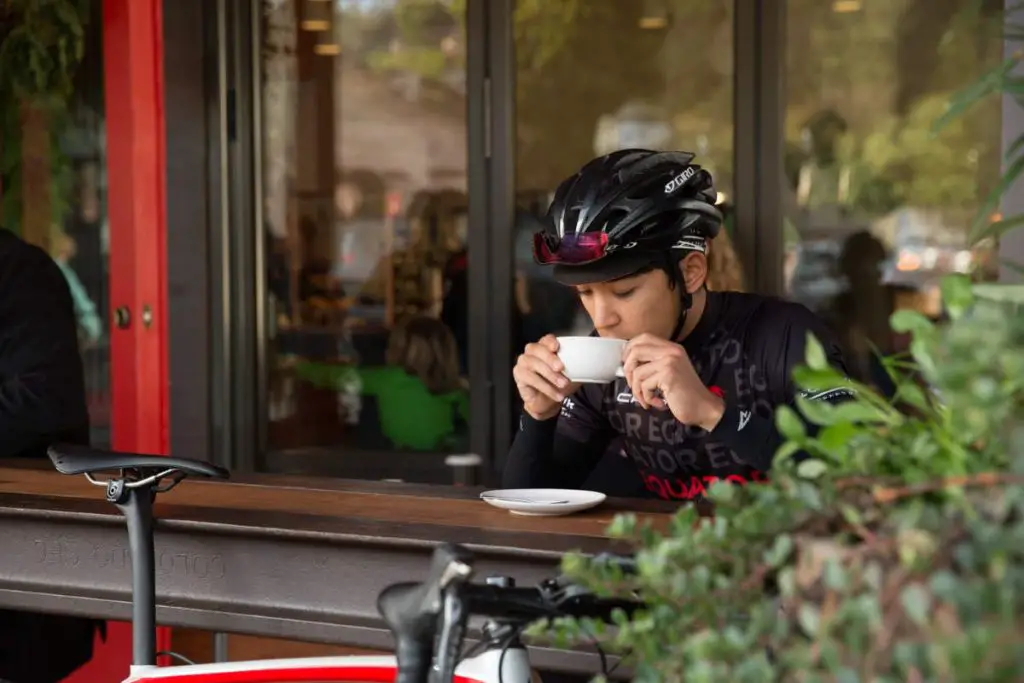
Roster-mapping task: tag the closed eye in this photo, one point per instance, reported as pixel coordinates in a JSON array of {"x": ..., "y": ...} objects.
[{"x": 626, "y": 294}]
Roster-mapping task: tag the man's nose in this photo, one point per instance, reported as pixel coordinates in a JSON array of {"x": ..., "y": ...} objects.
[{"x": 605, "y": 316}]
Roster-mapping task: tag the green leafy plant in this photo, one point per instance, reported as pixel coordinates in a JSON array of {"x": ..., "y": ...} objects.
[{"x": 892, "y": 553}]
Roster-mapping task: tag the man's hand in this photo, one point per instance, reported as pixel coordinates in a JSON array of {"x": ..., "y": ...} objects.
[
  {"x": 538, "y": 376},
  {"x": 660, "y": 374}
]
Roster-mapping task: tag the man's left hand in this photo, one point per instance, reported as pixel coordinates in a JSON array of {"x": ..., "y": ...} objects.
[{"x": 660, "y": 374}]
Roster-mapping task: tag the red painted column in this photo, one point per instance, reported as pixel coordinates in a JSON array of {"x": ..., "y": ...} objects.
[{"x": 136, "y": 169}]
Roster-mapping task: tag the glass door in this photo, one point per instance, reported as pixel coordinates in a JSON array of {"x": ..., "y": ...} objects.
[{"x": 363, "y": 229}]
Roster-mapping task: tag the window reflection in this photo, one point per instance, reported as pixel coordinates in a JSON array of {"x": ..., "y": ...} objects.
[
  {"x": 595, "y": 77},
  {"x": 60, "y": 206},
  {"x": 878, "y": 208},
  {"x": 364, "y": 142},
  {"x": 599, "y": 76}
]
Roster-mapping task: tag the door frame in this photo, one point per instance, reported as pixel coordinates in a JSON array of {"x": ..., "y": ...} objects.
[{"x": 137, "y": 266}]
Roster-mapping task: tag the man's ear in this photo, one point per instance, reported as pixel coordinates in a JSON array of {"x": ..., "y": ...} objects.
[{"x": 694, "y": 269}]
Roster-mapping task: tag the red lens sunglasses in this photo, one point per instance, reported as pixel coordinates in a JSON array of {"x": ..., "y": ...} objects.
[{"x": 573, "y": 249}]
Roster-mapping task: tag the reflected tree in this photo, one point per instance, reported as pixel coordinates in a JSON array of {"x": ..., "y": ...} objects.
[{"x": 886, "y": 69}]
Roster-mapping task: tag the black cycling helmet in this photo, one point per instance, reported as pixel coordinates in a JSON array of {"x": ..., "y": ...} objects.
[{"x": 625, "y": 212}]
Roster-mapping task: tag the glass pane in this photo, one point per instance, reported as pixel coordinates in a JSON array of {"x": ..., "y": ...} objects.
[
  {"x": 877, "y": 207},
  {"x": 592, "y": 78},
  {"x": 60, "y": 205},
  {"x": 595, "y": 77},
  {"x": 364, "y": 198}
]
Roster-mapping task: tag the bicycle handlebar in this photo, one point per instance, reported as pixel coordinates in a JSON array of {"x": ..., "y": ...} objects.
[{"x": 440, "y": 607}]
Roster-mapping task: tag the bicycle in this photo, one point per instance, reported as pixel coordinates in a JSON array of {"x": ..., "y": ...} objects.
[{"x": 428, "y": 620}]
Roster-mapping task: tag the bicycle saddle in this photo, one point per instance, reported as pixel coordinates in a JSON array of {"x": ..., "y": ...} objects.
[{"x": 72, "y": 459}]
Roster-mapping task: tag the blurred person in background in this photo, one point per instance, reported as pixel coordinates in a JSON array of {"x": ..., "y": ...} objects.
[
  {"x": 42, "y": 401},
  {"x": 725, "y": 272},
  {"x": 422, "y": 400}
]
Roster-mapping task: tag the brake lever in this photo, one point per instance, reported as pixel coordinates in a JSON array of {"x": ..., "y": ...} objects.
[{"x": 452, "y": 620}]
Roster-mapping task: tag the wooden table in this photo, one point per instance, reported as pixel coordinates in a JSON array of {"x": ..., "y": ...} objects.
[{"x": 286, "y": 557}]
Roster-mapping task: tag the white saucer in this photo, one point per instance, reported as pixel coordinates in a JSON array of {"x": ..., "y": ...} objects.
[{"x": 542, "y": 502}]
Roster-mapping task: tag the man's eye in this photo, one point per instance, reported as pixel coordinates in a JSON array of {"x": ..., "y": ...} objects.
[
  {"x": 583, "y": 292},
  {"x": 626, "y": 294}
]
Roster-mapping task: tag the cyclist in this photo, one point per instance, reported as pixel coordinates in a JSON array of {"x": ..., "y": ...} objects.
[{"x": 704, "y": 371}]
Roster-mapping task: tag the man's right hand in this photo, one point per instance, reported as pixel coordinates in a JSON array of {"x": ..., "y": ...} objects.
[{"x": 538, "y": 376}]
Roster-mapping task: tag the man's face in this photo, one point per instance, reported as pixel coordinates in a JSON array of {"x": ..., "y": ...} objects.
[{"x": 631, "y": 306}]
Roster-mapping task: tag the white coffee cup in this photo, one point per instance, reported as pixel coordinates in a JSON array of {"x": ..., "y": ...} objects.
[{"x": 593, "y": 360}]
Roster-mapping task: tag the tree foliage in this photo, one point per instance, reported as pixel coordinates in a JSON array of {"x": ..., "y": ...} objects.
[{"x": 888, "y": 69}]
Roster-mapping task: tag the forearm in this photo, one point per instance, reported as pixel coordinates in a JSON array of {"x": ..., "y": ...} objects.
[{"x": 541, "y": 457}]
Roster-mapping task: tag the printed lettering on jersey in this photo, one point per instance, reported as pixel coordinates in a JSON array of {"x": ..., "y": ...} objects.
[
  {"x": 741, "y": 356},
  {"x": 625, "y": 398},
  {"x": 568, "y": 406},
  {"x": 693, "y": 487}
]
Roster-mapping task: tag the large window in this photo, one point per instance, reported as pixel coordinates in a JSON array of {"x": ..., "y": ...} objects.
[
  {"x": 878, "y": 206},
  {"x": 53, "y": 194},
  {"x": 594, "y": 77},
  {"x": 364, "y": 204}
]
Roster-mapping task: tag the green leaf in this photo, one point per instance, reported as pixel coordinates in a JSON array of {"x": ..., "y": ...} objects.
[
  {"x": 789, "y": 423},
  {"x": 810, "y": 618},
  {"x": 836, "y": 437},
  {"x": 786, "y": 451},
  {"x": 989, "y": 83},
  {"x": 956, "y": 294},
  {"x": 917, "y": 603},
  {"x": 855, "y": 411},
  {"x": 923, "y": 355},
  {"x": 816, "y": 359},
  {"x": 907, "y": 320},
  {"x": 814, "y": 381},
  {"x": 979, "y": 227},
  {"x": 811, "y": 469},
  {"x": 996, "y": 229},
  {"x": 911, "y": 393},
  {"x": 817, "y": 412},
  {"x": 780, "y": 550}
]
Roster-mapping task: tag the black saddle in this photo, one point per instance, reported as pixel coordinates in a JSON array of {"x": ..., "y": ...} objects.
[{"x": 71, "y": 459}]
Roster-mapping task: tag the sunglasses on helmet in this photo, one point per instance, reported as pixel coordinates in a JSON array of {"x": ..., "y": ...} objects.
[{"x": 575, "y": 249}]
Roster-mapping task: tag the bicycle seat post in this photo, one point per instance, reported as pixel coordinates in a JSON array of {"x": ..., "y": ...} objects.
[
  {"x": 136, "y": 504},
  {"x": 141, "y": 477}
]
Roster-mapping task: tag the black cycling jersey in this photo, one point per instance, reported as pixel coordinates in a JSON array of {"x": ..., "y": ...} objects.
[{"x": 744, "y": 348}]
